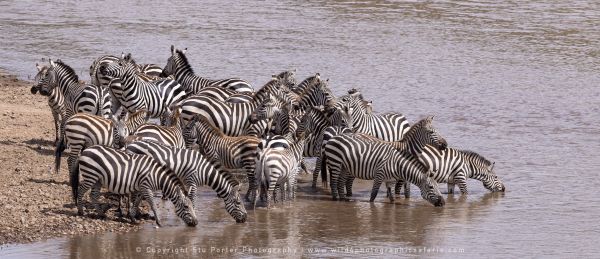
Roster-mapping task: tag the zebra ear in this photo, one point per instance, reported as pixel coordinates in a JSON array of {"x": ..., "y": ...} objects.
[
  {"x": 318, "y": 76},
  {"x": 39, "y": 68},
  {"x": 172, "y": 50},
  {"x": 184, "y": 51},
  {"x": 492, "y": 167},
  {"x": 52, "y": 63}
]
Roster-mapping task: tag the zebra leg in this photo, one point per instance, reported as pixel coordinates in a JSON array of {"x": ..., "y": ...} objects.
[
  {"x": 388, "y": 187},
  {"x": 341, "y": 184},
  {"x": 349, "y": 183},
  {"x": 134, "y": 210},
  {"x": 192, "y": 192},
  {"x": 72, "y": 164},
  {"x": 406, "y": 189},
  {"x": 376, "y": 184},
  {"x": 83, "y": 188},
  {"x": 461, "y": 180},
  {"x": 398, "y": 186},
  {"x": 148, "y": 197},
  {"x": 450, "y": 188},
  {"x": 316, "y": 172},
  {"x": 94, "y": 197}
]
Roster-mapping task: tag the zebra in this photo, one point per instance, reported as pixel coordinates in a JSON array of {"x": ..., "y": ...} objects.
[
  {"x": 55, "y": 103},
  {"x": 316, "y": 93},
  {"x": 226, "y": 152},
  {"x": 454, "y": 166},
  {"x": 328, "y": 133},
  {"x": 388, "y": 127},
  {"x": 194, "y": 170},
  {"x": 420, "y": 135},
  {"x": 354, "y": 155},
  {"x": 168, "y": 135},
  {"x": 288, "y": 78},
  {"x": 60, "y": 82},
  {"x": 278, "y": 166},
  {"x": 135, "y": 93},
  {"x": 231, "y": 118},
  {"x": 179, "y": 66},
  {"x": 85, "y": 130},
  {"x": 124, "y": 173}
]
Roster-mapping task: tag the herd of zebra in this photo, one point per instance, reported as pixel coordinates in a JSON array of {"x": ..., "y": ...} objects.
[{"x": 136, "y": 129}]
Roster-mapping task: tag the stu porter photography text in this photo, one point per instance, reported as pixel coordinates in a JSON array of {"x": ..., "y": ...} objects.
[{"x": 197, "y": 250}]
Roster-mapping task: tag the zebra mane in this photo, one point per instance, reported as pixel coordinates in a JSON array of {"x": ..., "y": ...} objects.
[
  {"x": 183, "y": 58},
  {"x": 64, "y": 67},
  {"x": 475, "y": 157},
  {"x": 311, "y": 86}
]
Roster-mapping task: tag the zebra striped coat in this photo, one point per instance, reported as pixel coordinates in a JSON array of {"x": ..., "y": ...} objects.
[
  {"x": 454, "y": 166},
  {"x": 194, "y": 170},
  {"x": 85, "y": 130},
  {"x": 179, "y": 66},
  {"x": 352, "y": 155},
  {"x": 225, "y": 152},
  {"x": 124, "y": 173},
  {"x": 67, "y": 96},
  {"x": 231, "y": 118},
  {"x": 135, "y": 94},
  {"x": 169, "y": 135},
  {"x": 279, "y": 166}
]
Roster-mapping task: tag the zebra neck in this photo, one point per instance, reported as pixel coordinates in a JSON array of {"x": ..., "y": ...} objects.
[
  {"x": 184, "y": 73},
  {"x": 213, "y": 178}
]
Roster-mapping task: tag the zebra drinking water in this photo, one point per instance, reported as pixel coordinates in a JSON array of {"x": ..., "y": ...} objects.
[
  {"x": 194, "y": 170},
  {"x": 124, "y": 173},
  {"x": 353, "y": 155}
]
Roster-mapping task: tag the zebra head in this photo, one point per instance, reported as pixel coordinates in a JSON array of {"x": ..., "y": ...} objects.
[
  {"x": 46, "y": 79},
  {"x": 429, "y": 189},
  {"x": 185, "y": 209},
  {"x": 423, "y": 133},
  {"x": 287, "y": 77},
  {"x": 175, "y": 61},
  {"x": 233, "y": 203},
  {"x": 340, "y": 115},
  {"x": 266, "y": 110},
  {"x": 40, "y": 79},
  {"x": 491, "y": 181},
  {"x": 190, "y": 133},
  {"x": 118, "y": 69}
]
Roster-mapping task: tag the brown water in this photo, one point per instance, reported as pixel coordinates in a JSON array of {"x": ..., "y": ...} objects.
[{"x": 515, "y": 81}]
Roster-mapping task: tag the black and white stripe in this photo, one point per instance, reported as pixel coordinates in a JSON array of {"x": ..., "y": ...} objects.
[
  {"x": 454, "y": 166},
  {"x": 194, "y": 171},
  {"x": 124, "y": 173},
  {"x": 179, "y": 66},
  {"x": 353, "y": 155},
  {"x": 85, "y": 130},
  {"x": 231, "y": 118},
  {"x": 135, "y": 94},
  {"x": 224, "y": 151}
]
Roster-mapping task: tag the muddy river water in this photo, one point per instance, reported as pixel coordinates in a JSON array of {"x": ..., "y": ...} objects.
[{"x": 516, "y": 81}]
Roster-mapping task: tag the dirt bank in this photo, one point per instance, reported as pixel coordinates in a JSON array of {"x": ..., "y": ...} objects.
[{"x": 35, "y": 204}]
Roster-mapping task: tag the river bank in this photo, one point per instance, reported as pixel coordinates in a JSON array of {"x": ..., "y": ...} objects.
[{"x": 34, "y": 203}]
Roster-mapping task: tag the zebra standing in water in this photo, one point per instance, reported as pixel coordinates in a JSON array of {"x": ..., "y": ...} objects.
[
  {"x": 179, "y": 66},
  {"x": 85, "y": 130},
  {"x": 169, "y": 135},
  {"x": 231, "y": 118},
  {"x": 123, "y": 173},
  {"x": 194, "y": 170},
  {"x": 61, "y": 84},
  {"x": 224, "y": 151},
  {"x": 135, "y": 93},
  {"x": 353, "y": 155},
  {"x": 420, "y": 135},
  {"x": 454, "y": 166}
]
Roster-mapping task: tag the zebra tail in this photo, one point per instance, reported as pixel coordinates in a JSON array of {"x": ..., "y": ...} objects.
[
  {"x": 324, "y": 168},
  {"x": 74, "y": 178},
  {"x": 60, "y": 147}
]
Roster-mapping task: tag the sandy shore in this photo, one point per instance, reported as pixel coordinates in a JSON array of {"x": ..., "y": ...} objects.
[{"x": 34, "y": 204}]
